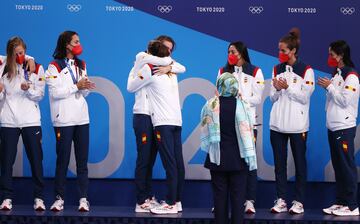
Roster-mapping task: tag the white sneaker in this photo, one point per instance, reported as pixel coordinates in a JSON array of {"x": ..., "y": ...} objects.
[
  {"x": 332, "y": 208},
  {"x": 58, "y": 205},
  {"x": 179, "y": 206},
  {"x": 212, "y": 209},
  {"x": 280, "y": 206},
  {"x": 39, "y": 205},
  {"x": 345, "y": 211},
  {"x": 164, "y": 208},
  {"x": 84, "y": 205},
  {"x": 153, "y": 202},
  {"x": 144, "y": 207},
  {"x": 296, "y": 208},
  {"x": 249, "y": 207},
  {"x": 6, "y": 204}
]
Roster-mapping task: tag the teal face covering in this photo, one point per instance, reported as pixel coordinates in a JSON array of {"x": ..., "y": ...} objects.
[{"x": 227, "y": 85}]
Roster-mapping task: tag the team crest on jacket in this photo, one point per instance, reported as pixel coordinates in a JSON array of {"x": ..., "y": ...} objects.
[
  {"x": 295, "y": 80},
  {"x": 245, "y": 79}
]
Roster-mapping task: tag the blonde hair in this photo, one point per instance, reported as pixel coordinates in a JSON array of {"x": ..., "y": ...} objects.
[{"x": 10, "y": 67}]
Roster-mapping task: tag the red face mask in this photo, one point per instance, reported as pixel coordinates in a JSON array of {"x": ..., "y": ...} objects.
[
  {"x": 283, "y": 57},
  {"x": 20, "y": 59},
  {"x": 76, "y": 50},
  {"x": 233, "y": 59},
  {"x": 332, "y": 62}
]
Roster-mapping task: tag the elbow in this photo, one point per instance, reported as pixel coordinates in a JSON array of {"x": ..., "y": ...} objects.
[
  {"x": 183, "y": 69},
  {"x": 130, "y": 89}
]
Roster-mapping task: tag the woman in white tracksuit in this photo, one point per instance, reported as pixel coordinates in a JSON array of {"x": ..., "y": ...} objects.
[
  {"x": 291, "y": 89},
  {"x": 342, "y": 100},
  {"x": 143, "y": 127},
  {"x": 251, "y": 87},
  {"x": 20, "y": 92},
  {"x": 68, "y": 86},
  {"x": 165, "y": 111}
]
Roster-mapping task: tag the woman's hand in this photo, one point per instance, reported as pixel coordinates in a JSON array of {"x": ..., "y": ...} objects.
[
  {"x": 85, "y": 83},
  {"x": 161, "y": 70},
  {"x": 283, "y": 84},
  {"x": 323, "y": 82},
  {"x": 25, "y": 86},
  {"x": 30, "y": 66}
]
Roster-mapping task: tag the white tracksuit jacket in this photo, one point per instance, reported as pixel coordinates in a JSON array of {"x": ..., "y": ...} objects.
[{"x": 290, "y": 109}]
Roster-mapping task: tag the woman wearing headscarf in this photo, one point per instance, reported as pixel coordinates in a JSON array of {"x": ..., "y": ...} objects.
[{"x": 227, "y": 136}]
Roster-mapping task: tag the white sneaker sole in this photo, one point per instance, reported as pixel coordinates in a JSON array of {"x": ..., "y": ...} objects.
[
  {"x": 295, "y": 213},
  {"x": 273, "y": 210},
  {"x": 327, "y": 211},
  {"x": 347, "y": 214},
  {"x": 57, "y": 210},
  {"x": 163, "y": 212}
]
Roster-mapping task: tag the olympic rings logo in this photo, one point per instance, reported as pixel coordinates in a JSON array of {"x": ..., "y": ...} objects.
[
  {"x": 164, "y": 8},
  {"x": 347, "y": 10},
  {"x": 73, "y": 7},
  {"x": 256, "y": 9}
]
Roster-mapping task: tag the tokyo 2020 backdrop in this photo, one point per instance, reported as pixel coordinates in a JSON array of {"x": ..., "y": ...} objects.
[{"x": 112, "y": 32}]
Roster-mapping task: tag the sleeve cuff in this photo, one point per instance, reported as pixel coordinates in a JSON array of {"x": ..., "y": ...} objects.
[{"x": 74, "y": 88}]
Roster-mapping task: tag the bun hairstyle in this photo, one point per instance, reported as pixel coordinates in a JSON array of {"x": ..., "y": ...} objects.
[
  {"x": 157, "y": 48},
  {"x": 292, "y": 39}
]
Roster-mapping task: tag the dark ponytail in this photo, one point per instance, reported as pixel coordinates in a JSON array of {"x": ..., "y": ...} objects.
[
  {"x": 341, "y": 48},
  {"x": 243, "y": 51}
]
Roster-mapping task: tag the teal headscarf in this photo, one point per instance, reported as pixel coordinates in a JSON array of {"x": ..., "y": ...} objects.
[{"x": 227, "y": 85}]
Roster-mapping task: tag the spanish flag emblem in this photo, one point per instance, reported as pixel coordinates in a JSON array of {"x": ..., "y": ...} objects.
[
  {"x": 350, "y": 88},
  {"x": 345, "y": 146},
  {"x": 260, "y": 82},
  {"x": 158, "y": 136},
  {"x": 143, "y": 138},
  {"x": 309, "y": 83},
  {"x": 51, "y": 77}
]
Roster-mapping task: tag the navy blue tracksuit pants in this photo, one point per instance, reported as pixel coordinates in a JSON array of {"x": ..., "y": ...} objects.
[
  {"x": 225, "y": 185},
  {"x": 78, "y": 134},
  {"x": 251, "y": 183},
  {"x": 279, "y": 143},
  {"x": 32, "y": 141},
  {"x": 146, "y": 155},
  {"x": 342, "y": 157},
  {"x": 168, "y": 139}
]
